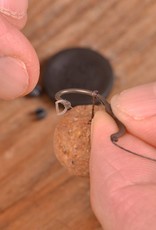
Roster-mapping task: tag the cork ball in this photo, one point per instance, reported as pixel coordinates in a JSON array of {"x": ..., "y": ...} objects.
[{"x": 72, "y": 140}]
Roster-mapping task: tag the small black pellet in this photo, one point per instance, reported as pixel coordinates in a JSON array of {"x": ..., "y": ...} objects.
[
  {"x": 36, "y": 91},
  {"x": 40, "y": 113}
]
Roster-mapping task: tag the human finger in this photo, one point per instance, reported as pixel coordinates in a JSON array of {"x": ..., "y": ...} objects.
[
  {"x": 112, "y": 170},
  {"x": 19, "y": 66},
  {"x": 136, "y": 108},
  {"x": 15, "y": 11}
]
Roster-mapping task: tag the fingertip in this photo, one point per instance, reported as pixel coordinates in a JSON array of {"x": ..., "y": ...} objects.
[
  {"x": 135, "y": 108},
  {"x": 16, "y": 48},
  {"x": 33, "y": 71},
  {"x": 137, "y": 102}
]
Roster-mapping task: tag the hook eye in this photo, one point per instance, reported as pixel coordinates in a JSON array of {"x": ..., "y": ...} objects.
[{"x": 66, "y": 104}]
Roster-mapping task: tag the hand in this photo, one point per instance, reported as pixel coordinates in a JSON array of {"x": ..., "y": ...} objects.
[
  {"x": 19, "y": 67},
  {"x": 123, "y": 186}
]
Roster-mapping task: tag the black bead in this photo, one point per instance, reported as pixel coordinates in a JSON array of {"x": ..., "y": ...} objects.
[
  {"x": 78, "y": 68},
  {"x": 40, "y": 113}
]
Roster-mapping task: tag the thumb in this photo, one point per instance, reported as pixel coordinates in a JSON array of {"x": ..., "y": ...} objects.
[
  {"x": 136, "y": 108},
  {"x": 116, "y": 176}
]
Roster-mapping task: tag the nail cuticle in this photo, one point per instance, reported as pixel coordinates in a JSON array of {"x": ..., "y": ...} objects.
[{"x": 15, "y": 79}]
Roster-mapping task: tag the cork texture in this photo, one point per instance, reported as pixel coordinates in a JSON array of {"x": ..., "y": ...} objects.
[{"x": 72, "y": 140}]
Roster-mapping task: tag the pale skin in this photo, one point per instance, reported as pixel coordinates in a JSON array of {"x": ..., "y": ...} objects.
[
  {"x": 16, "y": 52},
  {"x": 123, "y": 186}
]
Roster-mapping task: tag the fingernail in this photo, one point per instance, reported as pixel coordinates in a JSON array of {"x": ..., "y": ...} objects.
[
  {"x": 138, "y": 102},
  {"x": 13, "y": 78},
  {"x": 14, "y": 8}
]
